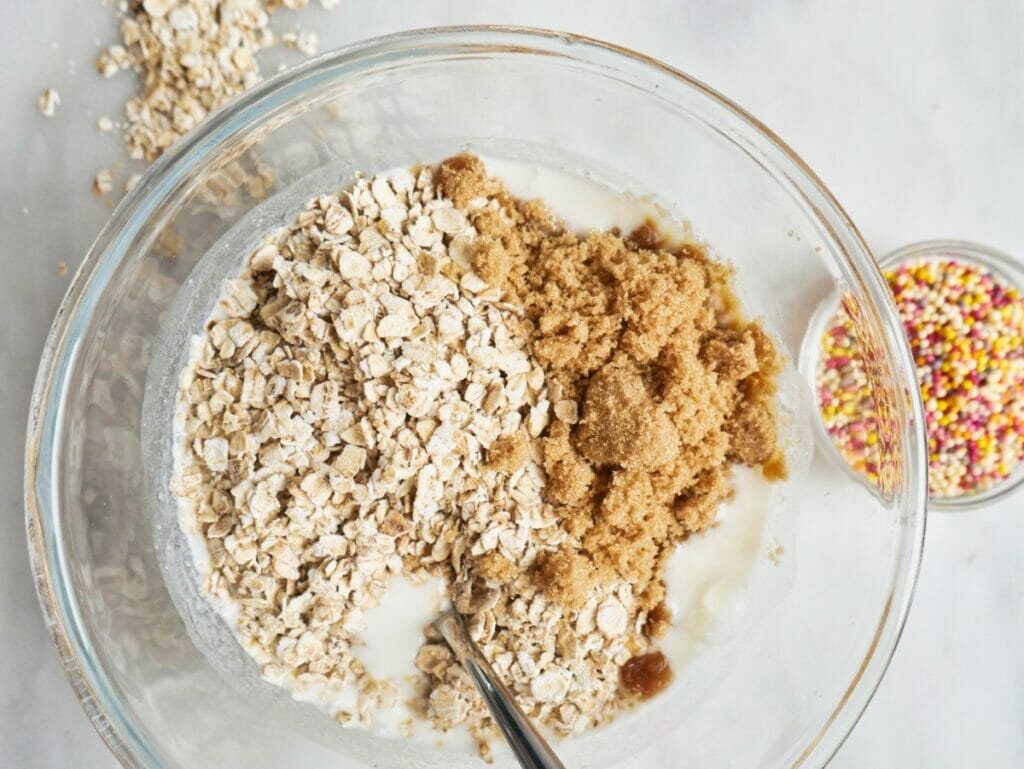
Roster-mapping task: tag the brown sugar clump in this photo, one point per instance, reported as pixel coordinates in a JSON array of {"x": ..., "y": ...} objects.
[
  {"x": 569, "y": 475},
  {"x": 752, "y": 434},
  {"x": 659, "y": 619},
  {"x": 508, "y": 453},
  {"x": 497, "y": 568},
  {"x": 672, "y": 385},
  {"x": 463, "y": 178},
  {"x": 623, "y": 426},
  {"x": 733, "y": 356},
  {"x": 567, "y": 576},
  {"x": 490, "y": 260}
]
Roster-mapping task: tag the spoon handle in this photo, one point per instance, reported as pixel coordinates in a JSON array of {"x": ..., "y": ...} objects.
[{"x": 529, "y": 747}]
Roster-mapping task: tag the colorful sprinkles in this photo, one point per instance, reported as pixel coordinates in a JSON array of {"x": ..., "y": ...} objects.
[{"x": 965, "y": 326}]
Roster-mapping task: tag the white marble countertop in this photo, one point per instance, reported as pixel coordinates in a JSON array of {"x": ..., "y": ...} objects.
[{"x": 911, "y": 113}]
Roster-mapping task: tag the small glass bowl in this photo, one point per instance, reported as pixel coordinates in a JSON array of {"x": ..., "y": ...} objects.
[{"x": 1003, "y": 266}]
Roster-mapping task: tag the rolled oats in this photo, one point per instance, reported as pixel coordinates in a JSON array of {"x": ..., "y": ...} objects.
[
  {"x": 48, "y": 102},
  {"x": 191, "y": 56},
  {"x": 103, "y": 182}
]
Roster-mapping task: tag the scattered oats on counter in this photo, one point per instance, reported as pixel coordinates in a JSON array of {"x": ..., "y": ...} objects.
[
  {"x": 103, "y": 182},
  {"x": 309, "y": 43},
  {"x": 48, "y": 102},
  {"x": 306, "y": 42},
  {"x": 191, "y": 56}
]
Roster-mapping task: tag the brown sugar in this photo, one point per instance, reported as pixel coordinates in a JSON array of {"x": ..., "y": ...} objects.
[
  {"x": 658, "y": 621},
  {"x": 752, "y": 434},
  {"x": 490, "y": 260},
  {"x": 508, "y": 453},
  {"x": 567, "y": 576},
  {"x": 674, "y": 385},
  {"x": 463, "y": 178},
  {"x": 623, "y": 426},
  {"x": 497, "y": 568},
  {"x": 569, "y": 475}
]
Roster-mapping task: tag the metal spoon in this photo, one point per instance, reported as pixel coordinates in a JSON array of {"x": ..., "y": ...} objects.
[{"x": 529, "y": 747}]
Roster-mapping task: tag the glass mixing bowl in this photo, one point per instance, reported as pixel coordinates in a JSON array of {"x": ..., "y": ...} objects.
[{"x": 165, "y": 683}]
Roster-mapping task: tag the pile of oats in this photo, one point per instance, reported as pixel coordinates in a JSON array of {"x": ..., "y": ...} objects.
[
  {"x": 190, "y": 56},
  {"x": 359, "y": 409}
]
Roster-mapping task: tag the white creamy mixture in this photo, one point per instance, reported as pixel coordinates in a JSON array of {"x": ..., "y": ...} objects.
[
  {"x": 704, "y": 578},
  {"x": 393, "y": 635}
]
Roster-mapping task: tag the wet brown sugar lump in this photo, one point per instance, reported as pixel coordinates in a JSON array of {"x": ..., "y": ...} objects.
[{"x": 509, "y": 453}]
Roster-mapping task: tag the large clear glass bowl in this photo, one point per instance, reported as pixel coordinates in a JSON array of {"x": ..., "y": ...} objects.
[{"x": 167, "y": 687}]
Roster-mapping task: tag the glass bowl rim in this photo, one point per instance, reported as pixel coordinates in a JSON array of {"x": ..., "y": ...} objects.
[{"x": 47, "y": 556}]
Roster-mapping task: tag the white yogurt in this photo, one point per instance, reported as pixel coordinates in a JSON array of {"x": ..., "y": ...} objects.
[
  {"x": 388, "y": 648},
  {"x": 706, "y": 576},
  {"x": 581, "y": 203}
]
